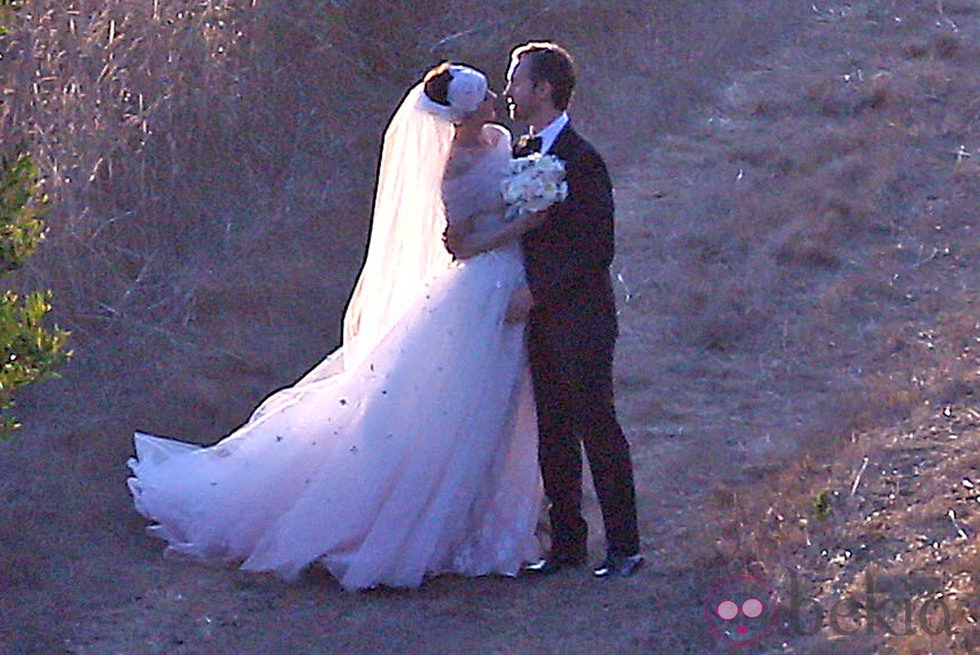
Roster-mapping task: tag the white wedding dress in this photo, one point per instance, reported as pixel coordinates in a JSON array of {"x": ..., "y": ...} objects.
[{"x": 416, "y": 456}]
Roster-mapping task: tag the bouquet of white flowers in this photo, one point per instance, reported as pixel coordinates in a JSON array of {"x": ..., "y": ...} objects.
[{"x": 535, "y": 183}]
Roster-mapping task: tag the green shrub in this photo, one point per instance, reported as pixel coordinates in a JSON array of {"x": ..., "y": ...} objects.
[
  {"x": 7, "y": 9},
  {"x": 28, "y": 351}
]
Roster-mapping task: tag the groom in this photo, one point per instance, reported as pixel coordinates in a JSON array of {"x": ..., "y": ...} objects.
[{"x": 571, "y": 313}]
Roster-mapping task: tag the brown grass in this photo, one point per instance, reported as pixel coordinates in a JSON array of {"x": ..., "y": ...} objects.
[
  {"x": 833, "y": 238},
  {"x": 163, "y": 126}
]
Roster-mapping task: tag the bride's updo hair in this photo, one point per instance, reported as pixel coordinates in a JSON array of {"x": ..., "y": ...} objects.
[
  {"x": 437, "y": 84},
  {"x": 453, "y": 92}
]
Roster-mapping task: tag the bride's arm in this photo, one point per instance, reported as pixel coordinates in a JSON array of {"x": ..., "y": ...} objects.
[{"x": 464, "y": 243}]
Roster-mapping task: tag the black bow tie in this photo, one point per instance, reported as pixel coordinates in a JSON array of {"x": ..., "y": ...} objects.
[{"x": 526, "y": 145}]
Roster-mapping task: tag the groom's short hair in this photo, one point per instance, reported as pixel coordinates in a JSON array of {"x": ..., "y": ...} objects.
[{"x": 549, "y": 62}]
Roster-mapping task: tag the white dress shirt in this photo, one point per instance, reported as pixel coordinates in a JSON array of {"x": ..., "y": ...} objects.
[{"x": 551, "y": 132}]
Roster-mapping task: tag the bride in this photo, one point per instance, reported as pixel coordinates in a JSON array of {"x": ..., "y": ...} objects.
[{"x": 411, "y": 450}]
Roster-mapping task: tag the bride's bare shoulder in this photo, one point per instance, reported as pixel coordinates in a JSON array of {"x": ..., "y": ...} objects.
[{"x": 497, "y": 133}]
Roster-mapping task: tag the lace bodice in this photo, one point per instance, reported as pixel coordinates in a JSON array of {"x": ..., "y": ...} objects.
[{"x": 471, "y": 188}]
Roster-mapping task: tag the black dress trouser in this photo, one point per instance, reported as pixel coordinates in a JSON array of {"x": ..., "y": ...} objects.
[{"x": 572, "y": 368}]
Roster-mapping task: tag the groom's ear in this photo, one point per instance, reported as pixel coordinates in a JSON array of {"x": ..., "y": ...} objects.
[{"x": 542, "y": 89}]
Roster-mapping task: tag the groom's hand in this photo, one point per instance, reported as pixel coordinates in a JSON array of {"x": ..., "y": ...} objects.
[{"x": 519, "y": 307}]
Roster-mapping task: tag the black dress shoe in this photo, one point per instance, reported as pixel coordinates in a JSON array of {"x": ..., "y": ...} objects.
[
  {"x": 555, "y": 562},
  {"x": 620, "y": 566}
]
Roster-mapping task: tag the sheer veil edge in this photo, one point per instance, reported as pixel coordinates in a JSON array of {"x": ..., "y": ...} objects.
[{"x": 405, "y": 249}]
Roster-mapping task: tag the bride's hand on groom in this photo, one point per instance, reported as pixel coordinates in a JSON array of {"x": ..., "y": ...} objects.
[
  {"x": 519, "y": 307},
  {"x": 530, "y": 221}
]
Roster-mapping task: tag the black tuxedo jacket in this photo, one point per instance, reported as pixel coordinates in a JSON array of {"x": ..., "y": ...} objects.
[{"x": 567, "y": 258}]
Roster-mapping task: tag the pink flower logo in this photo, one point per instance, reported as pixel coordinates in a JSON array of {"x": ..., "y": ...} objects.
[{"x": 742, "y": 610}]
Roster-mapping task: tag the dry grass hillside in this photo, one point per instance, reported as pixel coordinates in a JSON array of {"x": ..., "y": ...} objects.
[{"x": 797, "y": 191}]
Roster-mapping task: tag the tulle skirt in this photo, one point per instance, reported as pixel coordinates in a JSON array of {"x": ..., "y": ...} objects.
[{"x": 415, "y": 458}]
